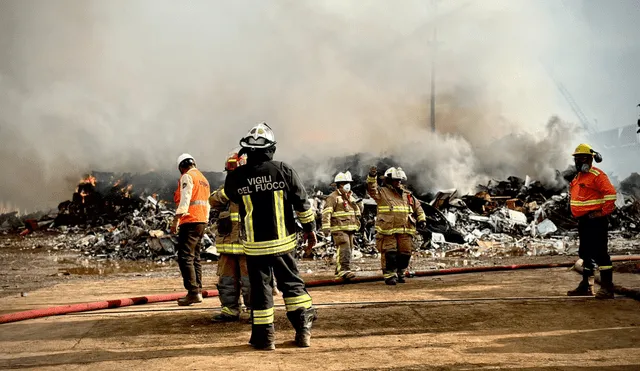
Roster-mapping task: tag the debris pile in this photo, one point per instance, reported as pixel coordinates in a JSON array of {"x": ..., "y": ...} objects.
[{"x": 128, "y": 217}]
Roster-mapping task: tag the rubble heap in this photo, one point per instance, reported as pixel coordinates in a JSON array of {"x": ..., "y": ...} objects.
[{"x": 114, "y": 217}]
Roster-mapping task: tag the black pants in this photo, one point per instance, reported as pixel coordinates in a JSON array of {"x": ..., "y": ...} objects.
[
  {"x": 594, "y": 240},
  {"x": 189, "y": 237},
  {"x": 289, "y": 282}
]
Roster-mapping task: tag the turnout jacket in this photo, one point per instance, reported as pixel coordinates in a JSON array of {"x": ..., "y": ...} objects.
[
  {"x": 229, "y": 234},
  {"x": 268, "y": 193},
  {"x": 340, "y": 213},
  {"x": 592, "y": 191},
  {"x": 394, "y": 209}
]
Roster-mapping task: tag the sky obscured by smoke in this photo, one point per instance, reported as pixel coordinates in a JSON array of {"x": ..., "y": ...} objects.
[{"x": 129, "y": 85}]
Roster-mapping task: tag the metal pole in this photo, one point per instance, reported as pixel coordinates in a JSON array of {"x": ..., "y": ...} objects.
[{"x": 433, "y": 69}]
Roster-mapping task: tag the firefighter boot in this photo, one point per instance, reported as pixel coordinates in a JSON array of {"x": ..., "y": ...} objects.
[
  {"x": 606, "y": 285},
  {"x": 403, "y": 264},
  {"x": 302, "y": 320},
  {"x": 585, "y": 287},
  {"x": 190, "y": 298},
  {"x": 263, "y": 337},
  {"x": 390, "y": 268}
]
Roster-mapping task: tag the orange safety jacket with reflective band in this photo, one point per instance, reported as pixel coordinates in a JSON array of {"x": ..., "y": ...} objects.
[
  {"x": 592, "y": 191},
  {"x": 394, "y": 209},
  {"x": 199, "y": 204}
]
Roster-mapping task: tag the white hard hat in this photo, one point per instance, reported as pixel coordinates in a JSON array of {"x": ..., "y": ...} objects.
[
  {"x": 260, "y": 136},
  {"x": 343, "y": 177},
  {"x": 185, "y": 156},
  {"x": 395, "y": 173}
]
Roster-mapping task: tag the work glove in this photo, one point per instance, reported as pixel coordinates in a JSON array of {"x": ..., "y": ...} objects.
[
  {"x": 174, "y": 224},
  {"x": 310, "y": 238},
  {"x": 595, "y": 214},
  {"x": 373, "y": 171},
  {"x": 422, "y": 225}
]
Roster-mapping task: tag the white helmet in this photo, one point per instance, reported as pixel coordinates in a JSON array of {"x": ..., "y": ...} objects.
[
  {"x": 185, "y": 156},
  {"x": 343, "y": 177},
  {"x": 395, "y": 174},
  {"x": 260, "y": 136}
]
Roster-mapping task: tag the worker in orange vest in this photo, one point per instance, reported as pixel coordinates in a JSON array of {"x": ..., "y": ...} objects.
[
  {"x": 192, "y": 216},
  {"x": 592, "y": 199}
]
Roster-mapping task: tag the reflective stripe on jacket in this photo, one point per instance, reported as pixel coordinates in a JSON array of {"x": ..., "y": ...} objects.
[
  {"x": 340, "y": 213},
  {"x": 198, "y": 205},
  {"x": 268, "y": 194},
  {"x": 592, "y": 191},
  {"x": 394, "y": 209}
]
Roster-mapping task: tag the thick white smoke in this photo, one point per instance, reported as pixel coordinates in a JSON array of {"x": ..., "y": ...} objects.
[{"x": 129, "y": 85}]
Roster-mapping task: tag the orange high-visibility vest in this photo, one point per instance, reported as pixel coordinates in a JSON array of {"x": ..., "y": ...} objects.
[
  {"x": 199, "y": 204},
  {"x": 592, "y": 191}
]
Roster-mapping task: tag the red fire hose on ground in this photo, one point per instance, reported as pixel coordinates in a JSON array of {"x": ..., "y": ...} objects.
[{"x": 117, "y": 303}]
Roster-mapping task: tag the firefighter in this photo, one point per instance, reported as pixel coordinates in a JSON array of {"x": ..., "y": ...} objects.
[
  {"x": 192, "y": 216},
  {"x": 398, "y": 213},
  {"x": 268, "y": 192},
  {"x": 592, "y": 199},
  {"x": 232, "y": 265},
  {"x": 341, "y": 219}
]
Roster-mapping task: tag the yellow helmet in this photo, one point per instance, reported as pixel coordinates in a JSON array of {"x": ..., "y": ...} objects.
[{"x": 583, "y": 149}]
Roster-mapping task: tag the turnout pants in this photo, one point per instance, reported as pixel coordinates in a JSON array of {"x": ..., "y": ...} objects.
[
  {"x": 594, "y": 240},
  {"x": 344, "y": 249},
  {"x": 395, "y": 253},
  {"x": 283, "y": 267},
  {"x": 233, "y": 279},
  {"x": 189, "y": 245}
]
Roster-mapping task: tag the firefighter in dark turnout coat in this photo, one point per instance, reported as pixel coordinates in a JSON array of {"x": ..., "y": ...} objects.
[{"x": 268, "y": 193}]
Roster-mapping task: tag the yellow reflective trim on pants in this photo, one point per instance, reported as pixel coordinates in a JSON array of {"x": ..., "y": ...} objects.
[
  {"x": 296, "y": 302},
  {"x": 305, "y": 216},
  {"x": 248, "y": 219},
  {"x": 270, "y": 247},
  {"x": 388, "y": 232},
  {"x": 263, "y": 316},
  {"x": 235, "y": 217},
  {"x": 605, "y": 267},
  {"x": 278, "y": 201},
  {"x": 229, "y": 311}
]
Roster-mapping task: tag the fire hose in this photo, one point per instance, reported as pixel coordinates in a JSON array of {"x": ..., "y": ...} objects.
[{"x": 117, "y": 303}]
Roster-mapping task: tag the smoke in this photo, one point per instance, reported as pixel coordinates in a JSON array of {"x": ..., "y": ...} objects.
[{"x": 129, "y": 85}]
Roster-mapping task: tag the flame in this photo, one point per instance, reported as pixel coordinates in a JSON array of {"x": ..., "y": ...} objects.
[
  {"x": 117, "y": 183},
  {"x": 90, "y": 179}
]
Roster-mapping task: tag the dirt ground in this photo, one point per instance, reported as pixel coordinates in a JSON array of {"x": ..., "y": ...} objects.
[{"x": 519, "y": 320}]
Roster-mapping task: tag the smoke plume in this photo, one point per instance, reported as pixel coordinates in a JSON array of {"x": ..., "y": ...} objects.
[{"x": 129, "y": 85}]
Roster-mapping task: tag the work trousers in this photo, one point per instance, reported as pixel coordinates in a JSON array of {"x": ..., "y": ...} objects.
[
  {"x": 189, "y": 245},
  {"x": 233, "y": 278},
  {"x": 344, "y": 250},
  {"x": 594, "y": 239},
  {"x": 283, "y": 267},
  {"x": 395, "y": 253}
]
